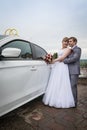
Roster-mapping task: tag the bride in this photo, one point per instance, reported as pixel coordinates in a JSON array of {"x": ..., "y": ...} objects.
[{"x": 59, "y": 93}]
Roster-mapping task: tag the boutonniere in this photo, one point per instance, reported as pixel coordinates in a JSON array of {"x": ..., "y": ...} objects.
[{"x": 71, "y": 49}]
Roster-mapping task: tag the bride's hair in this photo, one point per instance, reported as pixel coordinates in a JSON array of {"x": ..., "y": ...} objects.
[{"x": 65, "y": 39}]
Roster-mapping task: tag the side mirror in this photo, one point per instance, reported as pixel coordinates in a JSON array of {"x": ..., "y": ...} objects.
[{"x": 11, "y": 52}]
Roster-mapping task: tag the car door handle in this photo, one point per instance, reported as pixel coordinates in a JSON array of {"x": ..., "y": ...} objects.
[{"x": 33, "y": 68}]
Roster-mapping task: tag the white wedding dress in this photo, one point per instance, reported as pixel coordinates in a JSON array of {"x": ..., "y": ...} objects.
[{"x": 58, "y": 92}]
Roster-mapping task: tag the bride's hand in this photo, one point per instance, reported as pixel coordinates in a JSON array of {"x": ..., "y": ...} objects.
[{"x": 53, "y": 61}]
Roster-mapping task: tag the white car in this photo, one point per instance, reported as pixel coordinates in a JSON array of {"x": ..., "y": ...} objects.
[{"x": 23, "y": 73}]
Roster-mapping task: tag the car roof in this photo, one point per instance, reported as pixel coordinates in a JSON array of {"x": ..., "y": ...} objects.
[
  {"x": 7, "y": 38},
  {"x": 3, "y": 36}
]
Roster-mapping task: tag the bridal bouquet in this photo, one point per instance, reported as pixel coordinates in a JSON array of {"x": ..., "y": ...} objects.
[{"x": 48, "y": 58}]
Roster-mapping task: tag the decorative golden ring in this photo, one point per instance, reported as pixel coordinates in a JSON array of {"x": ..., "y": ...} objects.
[{"x": 11, "y": 32}]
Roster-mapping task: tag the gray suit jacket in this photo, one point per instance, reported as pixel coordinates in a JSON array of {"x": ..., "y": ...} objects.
[{"x": 73, "y": 61}]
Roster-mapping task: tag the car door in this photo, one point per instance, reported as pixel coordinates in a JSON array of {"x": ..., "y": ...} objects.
[
  {"x": 43, "y": 68},
  {"x": 20, "y": 77}
]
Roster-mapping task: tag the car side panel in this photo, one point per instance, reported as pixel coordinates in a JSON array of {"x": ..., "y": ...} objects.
[{"x": 20, "y": 82}]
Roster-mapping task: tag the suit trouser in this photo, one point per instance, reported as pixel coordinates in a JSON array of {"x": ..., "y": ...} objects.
[{"x": 74, "y": 81}]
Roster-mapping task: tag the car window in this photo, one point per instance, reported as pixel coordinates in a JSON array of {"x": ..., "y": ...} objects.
[
  {"x": 39, "y": 52},
  {"x": 26, "y": 52}
]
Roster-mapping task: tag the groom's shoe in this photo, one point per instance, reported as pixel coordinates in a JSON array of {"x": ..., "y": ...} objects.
[
  {"x": 74, "y": 107},
  {"x": 75, "y": 104}
]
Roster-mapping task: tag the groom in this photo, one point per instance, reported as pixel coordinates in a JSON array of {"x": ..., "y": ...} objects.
[{"x": 73, "y": 61}]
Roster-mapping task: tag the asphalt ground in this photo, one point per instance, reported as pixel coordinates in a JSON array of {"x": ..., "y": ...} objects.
[{"x": 36, "y": 116}]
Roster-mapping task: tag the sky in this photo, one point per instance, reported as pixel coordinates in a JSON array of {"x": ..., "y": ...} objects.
[{"x": 46, "y": 22}]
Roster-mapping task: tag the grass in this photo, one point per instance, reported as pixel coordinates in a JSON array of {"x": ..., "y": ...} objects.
[{"x": 83, "y": 63}]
